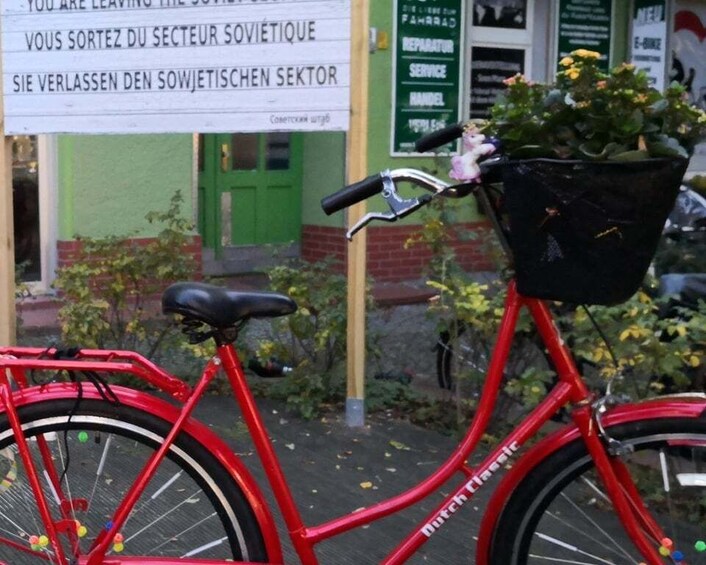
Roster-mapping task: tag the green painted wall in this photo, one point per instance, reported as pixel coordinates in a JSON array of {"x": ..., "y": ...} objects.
[
  {"x": 108, "y": 183},
  {"x": 324, "y": 173}
]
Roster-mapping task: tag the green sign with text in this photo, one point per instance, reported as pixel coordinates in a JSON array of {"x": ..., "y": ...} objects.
[
  {"x": 427, "y": 69},
  {"x": 585, "y": 24}
]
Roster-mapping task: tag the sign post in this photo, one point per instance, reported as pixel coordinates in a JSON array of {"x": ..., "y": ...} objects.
[
  {"x": 8, "y": 319},
  {"x": 357, "y": 169}
]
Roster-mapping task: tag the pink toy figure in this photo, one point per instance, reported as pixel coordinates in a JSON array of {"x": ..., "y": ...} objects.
[{"x": 475, "y": 146}]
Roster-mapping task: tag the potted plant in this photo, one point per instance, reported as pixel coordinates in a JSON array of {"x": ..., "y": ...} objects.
[
  {"x": 592, "y": 166},
  {"x": 589, "y": 114}
]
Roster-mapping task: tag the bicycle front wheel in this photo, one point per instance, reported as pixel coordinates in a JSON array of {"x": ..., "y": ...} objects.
[
  {"x": 95, "y": 451},
  {"x": 560, "y": 514}
]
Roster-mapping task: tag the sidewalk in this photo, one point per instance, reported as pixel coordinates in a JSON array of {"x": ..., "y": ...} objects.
[{"x": 329, "y": 465}]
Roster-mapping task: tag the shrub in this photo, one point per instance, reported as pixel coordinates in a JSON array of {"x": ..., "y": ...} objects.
[
  {"x": 313, "y": 339},
  {"x": 106, "y": 291}
]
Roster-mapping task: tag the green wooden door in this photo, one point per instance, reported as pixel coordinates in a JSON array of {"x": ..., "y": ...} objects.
[{"x": 249, "y": 189}]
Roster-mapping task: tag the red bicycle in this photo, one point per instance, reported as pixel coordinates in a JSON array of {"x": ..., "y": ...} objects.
[{"x": 95, "y": 473}]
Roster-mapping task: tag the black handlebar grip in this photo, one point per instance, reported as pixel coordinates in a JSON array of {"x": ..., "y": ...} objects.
[
  {"x": 438, "y": 138},
  {"x": 352, "y": 193}
]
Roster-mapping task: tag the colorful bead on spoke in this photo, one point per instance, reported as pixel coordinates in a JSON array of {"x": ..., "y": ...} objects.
[
  {"x": 118, "y": 545},
  {"x": 81, "y": 530}
]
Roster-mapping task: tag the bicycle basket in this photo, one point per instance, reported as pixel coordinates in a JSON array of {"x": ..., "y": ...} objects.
[{"x": 585, "y": 232}]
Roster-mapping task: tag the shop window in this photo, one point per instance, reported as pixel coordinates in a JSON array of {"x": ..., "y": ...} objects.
[{"x": 25, "y": 198}]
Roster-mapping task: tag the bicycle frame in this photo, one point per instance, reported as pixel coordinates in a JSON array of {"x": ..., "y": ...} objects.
[{"x": 570, "y": 389}]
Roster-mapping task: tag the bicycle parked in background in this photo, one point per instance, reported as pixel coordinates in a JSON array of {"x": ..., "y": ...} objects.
[{"x": 95, "y": 473}]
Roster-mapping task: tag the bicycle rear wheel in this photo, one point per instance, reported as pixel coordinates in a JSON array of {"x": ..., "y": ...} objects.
[
  {"x": 192, "y": 507},
  {"x": 560, "y": 514}
]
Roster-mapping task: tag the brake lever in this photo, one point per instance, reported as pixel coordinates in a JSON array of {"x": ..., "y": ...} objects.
[{"x": 399, "y": 207}]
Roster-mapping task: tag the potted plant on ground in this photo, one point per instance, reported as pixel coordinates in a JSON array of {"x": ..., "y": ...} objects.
[{"x": 593, "y": 164}]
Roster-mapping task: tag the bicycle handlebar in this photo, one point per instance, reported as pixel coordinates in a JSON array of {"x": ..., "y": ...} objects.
[
  {"x": 352, "y": 194},
  {"x": 385, "y": 183},
  {"x": 438, "y": 138}
]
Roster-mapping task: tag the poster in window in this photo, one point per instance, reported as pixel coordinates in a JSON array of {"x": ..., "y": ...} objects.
[
  {"x": 648, "y": 47},
  {"x": 585, "y": 24},
  {"x": 689, "y": 42},
  {"x": 490, "y": 66},
  {"x": 508, "y": 14}
]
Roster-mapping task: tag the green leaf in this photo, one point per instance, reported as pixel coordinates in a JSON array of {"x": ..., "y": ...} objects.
[
  {"x": 667, "y": 147},
  {"x": 634, "y": 155},
  {"x": 531, "y": 152},
  {"x": 660, "y": 106}
]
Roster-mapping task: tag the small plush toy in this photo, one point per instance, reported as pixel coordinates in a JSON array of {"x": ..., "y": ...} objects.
[{"x": 475, "y": 146}]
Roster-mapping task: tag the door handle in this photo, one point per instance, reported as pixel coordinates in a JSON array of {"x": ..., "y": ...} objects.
[{"x": 225, "y": 155}]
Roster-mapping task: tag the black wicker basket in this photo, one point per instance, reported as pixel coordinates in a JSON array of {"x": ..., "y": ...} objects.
[{"x": 585, "y": 232}]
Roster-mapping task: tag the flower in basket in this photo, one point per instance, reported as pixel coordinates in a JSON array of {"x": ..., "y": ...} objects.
[
  {"x": 594, "y": 163},
  {"x": 588, "y": 114}
]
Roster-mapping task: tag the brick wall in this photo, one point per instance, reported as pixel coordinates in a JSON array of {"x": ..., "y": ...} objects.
[
  {"x": 388, "y": 260},
  {"x": 68, "y": 251}
]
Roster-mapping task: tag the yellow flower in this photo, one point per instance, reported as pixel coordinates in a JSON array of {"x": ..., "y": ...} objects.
[
  {"x": 586, "y": 54},
  {"x": 566, "y": 62},
  {"x": 640, "y": 99},
  {"x": 573, "y": 73},
  {"x": 624, "y": 67},
  {"x": 514, "y": 79}
]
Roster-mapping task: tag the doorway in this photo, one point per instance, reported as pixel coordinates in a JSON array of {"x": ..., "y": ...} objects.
[{"x": 249, "y": 194}]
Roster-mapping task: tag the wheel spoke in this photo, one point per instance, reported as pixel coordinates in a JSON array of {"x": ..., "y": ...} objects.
[
  {"x": 192, "y": 506},
  {"x": 560, "y": 512}
]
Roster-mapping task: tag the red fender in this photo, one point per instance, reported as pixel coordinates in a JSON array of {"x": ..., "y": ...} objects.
[
  {"x": 164, "y": 410},
  {"x": 685, "y": 407}
]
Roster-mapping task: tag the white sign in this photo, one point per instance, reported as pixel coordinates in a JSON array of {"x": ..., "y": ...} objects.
[
  {"x": 649, "y": 39},
  {"x": 160, "y": 66}
]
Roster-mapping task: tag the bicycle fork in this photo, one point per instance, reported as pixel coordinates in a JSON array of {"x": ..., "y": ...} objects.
[
  {"x": 621, "y": 490},
  {"x": 619, "y": 486}
]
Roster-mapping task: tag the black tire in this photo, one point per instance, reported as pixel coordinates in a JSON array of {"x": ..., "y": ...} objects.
[
  {"x": 462, "y": 358},
  {"x": 558, "y": 513},
  {"x": 192, "y": 504}
]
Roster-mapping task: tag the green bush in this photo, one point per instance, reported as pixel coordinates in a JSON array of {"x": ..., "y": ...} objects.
[
  {"x": 655, "y": 353},
  {"x": 649, "y": 351},
  {"x": 106, "y": 293},
  {"x": 313, "y": 339}
]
